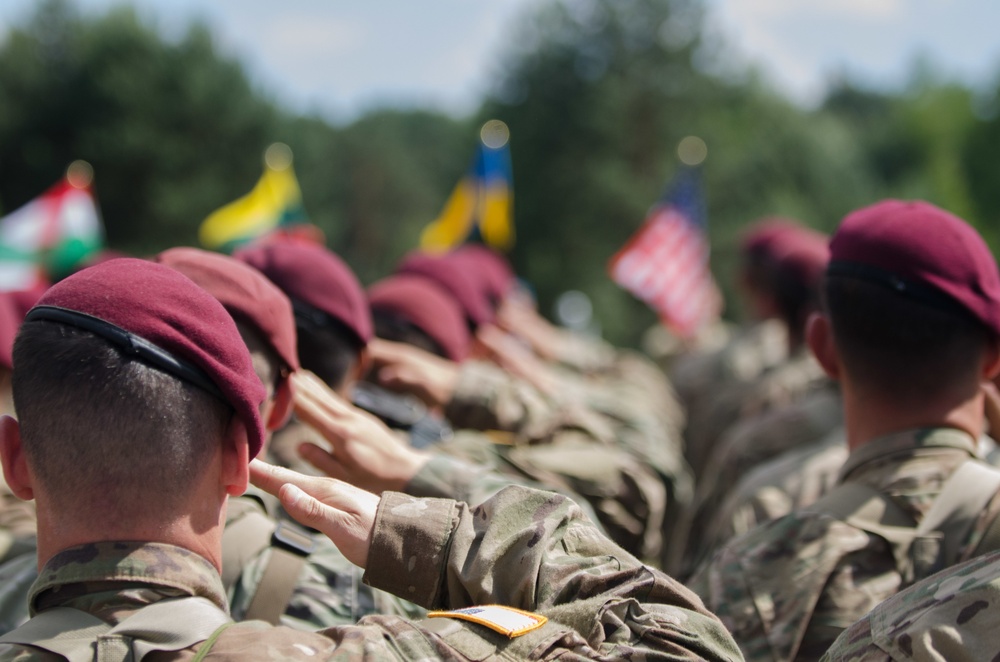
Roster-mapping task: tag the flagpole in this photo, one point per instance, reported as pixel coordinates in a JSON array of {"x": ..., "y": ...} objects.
[{"x": 79, "y": 174}]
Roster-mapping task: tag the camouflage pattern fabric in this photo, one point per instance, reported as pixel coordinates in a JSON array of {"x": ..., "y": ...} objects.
[
  {"x": 753, "y": 442},
  {"x": 952, "y": 616},
  {"x": 524, "y": 548},
  {"x": 731, "y": 403},
  {"x": 625, "y": 496},
  {"x": 787, "y": 589},
  {"x": 328, "y": 591},
  {"x": 787, "y": 483},
  {"x": 17, "y": 524}
]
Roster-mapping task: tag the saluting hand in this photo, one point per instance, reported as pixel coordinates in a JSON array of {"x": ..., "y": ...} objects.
[
  {"x": 406, "y": 368},
  {"x": 344, "y": 513},
  {"x": 362, "y": 450}
]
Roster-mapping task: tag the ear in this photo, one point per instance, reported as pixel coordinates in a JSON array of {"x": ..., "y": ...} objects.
[
  {"x": 991, "y": 359},
  {"x": 819, "y": 337},
  {"x": 15, "y": 467},
  {"x": 281, "y": 405},
  {"x": 235, "y": 473}
]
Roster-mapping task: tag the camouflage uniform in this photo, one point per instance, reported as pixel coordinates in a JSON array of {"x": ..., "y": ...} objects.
[
  {"x": 787, "y": 483},
  {"x": 524, "y": 548},
  {"x": 753, "y": 442},
  {"x": 952, "y": 616},
  {"x": 327, "y": 591},
  {"x": 567, "y": 444},
  {"x": 788, "y": 588},
  {"x": 17, "y": 524},
  {"x": 777, "y": 387}
]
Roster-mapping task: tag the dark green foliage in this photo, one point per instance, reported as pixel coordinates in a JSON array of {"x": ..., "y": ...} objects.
[{"x": 597, "y": 95}]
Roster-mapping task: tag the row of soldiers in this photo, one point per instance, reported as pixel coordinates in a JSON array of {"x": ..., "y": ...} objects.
[{"x": 816, "y": 464}]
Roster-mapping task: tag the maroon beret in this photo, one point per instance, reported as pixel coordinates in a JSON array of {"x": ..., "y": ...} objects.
[
  {"x": 493, "y": 272},
  {"x": 245, "y": 292},
  {"x": 761, "y": 238},
  {"x": 454, "y": 278},
  {"x": 421, "y": 302},
  {"x": 10, "y": 321},
  {"x": 802, "y": 255},
  {"x": 314, "y": 276},
  {"x": 920, "y": 250},
  {"x": 163, "y": 308}
]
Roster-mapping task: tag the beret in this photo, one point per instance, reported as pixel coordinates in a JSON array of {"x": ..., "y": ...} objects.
[
  {"x": 421, "y": 302},
  {"x": 493, "y": 272},
  {"x": 802, "y": 255},
  {"x": 314, "y": 276},
  {"x": 184, "y": 324},
  {"x": 760, "y": 239},
  {"x": 922, "y": 251},
  {"x": 454, "y": 278},
  {"x": 243, "y": 291}
]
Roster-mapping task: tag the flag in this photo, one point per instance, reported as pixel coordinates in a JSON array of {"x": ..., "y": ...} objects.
[
  {"x": 480, "y": 206},
  {"x": 665, "y": 263},
  {"x": 274, "y": 202},
  {"x": 51, "y": 235}
]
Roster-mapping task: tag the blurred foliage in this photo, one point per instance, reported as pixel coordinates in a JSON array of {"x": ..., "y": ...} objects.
[{"x": 597, "y": 94}]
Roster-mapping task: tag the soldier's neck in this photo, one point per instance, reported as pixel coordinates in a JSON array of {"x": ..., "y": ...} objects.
[{"x": 867, "y": 418}]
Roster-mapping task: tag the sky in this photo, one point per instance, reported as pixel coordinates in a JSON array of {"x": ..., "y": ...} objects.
[{"x": 339, "y": 58}]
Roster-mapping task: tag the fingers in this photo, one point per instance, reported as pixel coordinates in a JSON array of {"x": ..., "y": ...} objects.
[
  {"x": 324, "y": 461},
  {"x": 270, "y": 478}
]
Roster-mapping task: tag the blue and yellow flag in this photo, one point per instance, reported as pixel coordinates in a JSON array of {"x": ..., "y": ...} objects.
[
  {"x": 274, "y": 202},
  {"x": 481, "y": 205}
]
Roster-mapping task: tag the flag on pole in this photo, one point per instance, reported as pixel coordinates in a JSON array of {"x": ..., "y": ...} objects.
[
  {"x": 275, "y": 202},
  {"x": 480, "y": 206},
  {"x": 665, "y": 263},
  {"x": 51, "y": 235}
]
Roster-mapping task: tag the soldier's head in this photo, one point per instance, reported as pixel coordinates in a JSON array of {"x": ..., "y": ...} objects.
[
  {"x": 332, "y": 318},
  {"x": 263, "y": 315},
  {"x": 912, "y": 301},
  {"x": 455, "y": 279},
  {"x": 415, "y": 310},
  {"x": 137, "y": 403}
]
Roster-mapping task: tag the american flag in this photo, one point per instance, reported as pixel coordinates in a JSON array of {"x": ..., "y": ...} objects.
[{"x": 665, "y": 263}]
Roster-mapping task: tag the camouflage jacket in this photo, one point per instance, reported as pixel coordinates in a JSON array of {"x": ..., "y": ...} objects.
[
  {"x": 789, "y": 482},
  {"x": 328, "y": 590},
  {"x": 731, "y": 403},
  {"x": 626, "y": 497},
  {"x": 752, "y": 443},
  {"x": 787, "y": 589},
  {"x": 526, "y": 549},
  {"x": 952, "y": 616},
  {"x": 17, "y": 524}
]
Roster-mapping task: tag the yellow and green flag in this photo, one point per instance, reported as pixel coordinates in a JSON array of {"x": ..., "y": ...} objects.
[
  {"x": 275, "y": 202},
  {"x": 481, "y": 205}
]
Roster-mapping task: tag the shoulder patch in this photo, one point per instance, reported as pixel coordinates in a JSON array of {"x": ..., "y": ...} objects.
[{"x": 505, "y": 620}]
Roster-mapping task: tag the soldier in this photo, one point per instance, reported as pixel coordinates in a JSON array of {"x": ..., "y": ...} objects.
[
  {"x": 953, "y": 615},
  {"x": 910, "y": 328},
  {"x": 139, "y": 414},
  {"x": 272, "y": 570}
]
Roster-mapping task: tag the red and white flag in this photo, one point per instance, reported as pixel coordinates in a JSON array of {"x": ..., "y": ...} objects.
[{"x": 665, "y": 263}]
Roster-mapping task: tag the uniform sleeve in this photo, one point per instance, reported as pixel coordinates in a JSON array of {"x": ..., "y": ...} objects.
[
  {"x": 487, "y": 398},
  {"x": 446, "y": 477},
  {"x": 856, "y": 644},
  {"x": 536, "y": 551}
]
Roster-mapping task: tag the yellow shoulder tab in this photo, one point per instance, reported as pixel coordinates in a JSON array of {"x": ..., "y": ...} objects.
[{"x": 505, "y": 620}]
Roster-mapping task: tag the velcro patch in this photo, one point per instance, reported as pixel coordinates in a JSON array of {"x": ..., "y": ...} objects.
[{"x": 505, "y": 620}]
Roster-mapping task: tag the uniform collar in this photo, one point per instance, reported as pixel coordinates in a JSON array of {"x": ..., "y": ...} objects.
[
  {"x": 127, "y": 564},
  {"x": 905, "y": 443}
]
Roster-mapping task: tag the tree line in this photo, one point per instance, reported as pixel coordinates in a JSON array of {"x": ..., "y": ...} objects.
[{"x": 597, "y": 96}]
